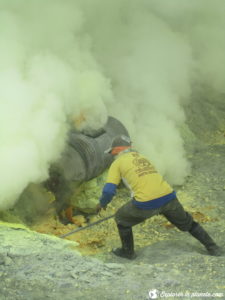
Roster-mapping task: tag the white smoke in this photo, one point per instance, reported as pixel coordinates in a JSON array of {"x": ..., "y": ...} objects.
[
  {"x": 83, "y": 60},
  {"x": 47, "y": 76},
  {"x": 155, "y": 52},
  {"x": 202, "y": 22},
  {"x": 150, "y": 67}
]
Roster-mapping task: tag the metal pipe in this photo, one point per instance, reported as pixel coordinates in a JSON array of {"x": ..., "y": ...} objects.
[
  {"x": 85, "y": 227},
  {"x": 82, "y": 160},
  {"x": 84, "y": 157}
]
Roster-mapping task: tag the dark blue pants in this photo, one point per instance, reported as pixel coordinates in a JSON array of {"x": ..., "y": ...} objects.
[{"x": 129, "y": 215}]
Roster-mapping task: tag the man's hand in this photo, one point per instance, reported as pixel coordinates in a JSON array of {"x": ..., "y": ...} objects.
[{"x": 99, "y": 208}]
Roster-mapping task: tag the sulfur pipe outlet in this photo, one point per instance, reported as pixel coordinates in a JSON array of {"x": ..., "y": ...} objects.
[
  {"x": 82, "y": 160},
  {"x": 84, "y": 157}
]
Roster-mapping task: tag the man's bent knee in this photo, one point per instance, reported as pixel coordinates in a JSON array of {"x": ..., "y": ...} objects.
[
  {"x": 184, "y": 224},
  {"x": 126, "y": 217}
]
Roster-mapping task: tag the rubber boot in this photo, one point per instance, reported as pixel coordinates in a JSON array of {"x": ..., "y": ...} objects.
[
  {"x": 126, "y": 237},
  {"x": 203, "y": 237}
]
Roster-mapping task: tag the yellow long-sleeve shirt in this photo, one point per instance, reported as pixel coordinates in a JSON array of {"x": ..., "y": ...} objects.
[{"x": 141, "y": 177}]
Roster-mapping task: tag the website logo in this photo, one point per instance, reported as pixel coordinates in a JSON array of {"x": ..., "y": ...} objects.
[{"x": 153, "y": 294}]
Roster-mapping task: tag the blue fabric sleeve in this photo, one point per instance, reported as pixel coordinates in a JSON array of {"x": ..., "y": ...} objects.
[
  {"x": 110, "y": 188},
  {"x": 108, "y": 192}
]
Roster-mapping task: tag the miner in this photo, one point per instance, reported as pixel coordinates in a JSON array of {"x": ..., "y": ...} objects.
[{"x": 150, "y": 195}]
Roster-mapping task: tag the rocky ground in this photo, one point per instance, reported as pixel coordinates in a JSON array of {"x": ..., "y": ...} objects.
[{"x": 38, "y": 266}]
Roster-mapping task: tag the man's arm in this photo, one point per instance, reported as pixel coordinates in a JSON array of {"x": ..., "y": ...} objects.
[
  {"x": 108, "y": 193},
  {"x": 109, "y": 189}
]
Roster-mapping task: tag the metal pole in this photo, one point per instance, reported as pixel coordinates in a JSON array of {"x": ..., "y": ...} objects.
[{"x": 85, "y": 227}]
